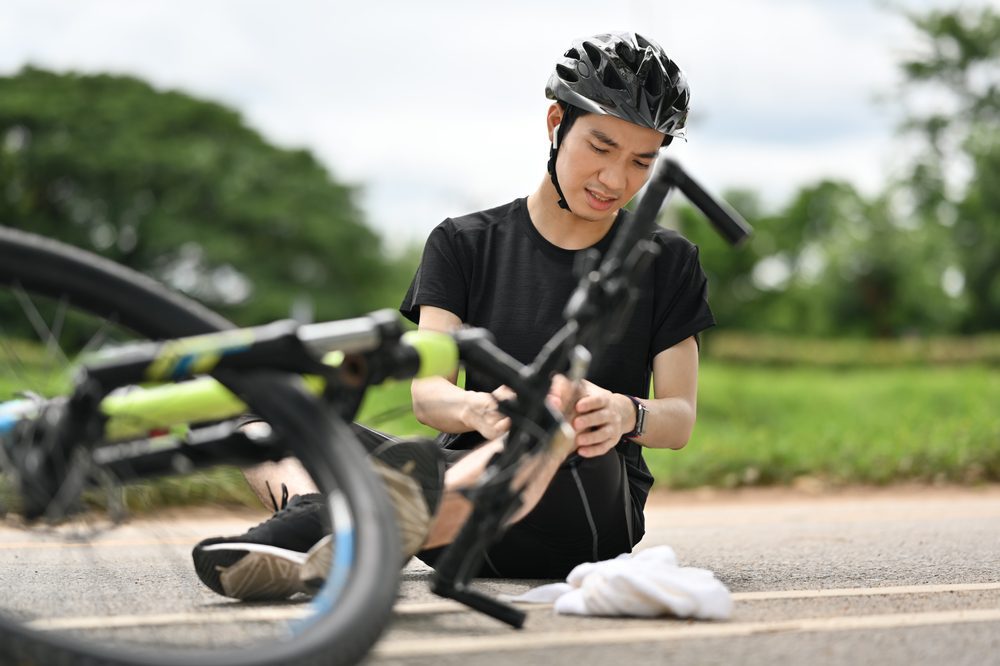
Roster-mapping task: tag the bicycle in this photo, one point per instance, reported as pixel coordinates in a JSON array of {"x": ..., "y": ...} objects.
[{"x": 306, "y": 382}]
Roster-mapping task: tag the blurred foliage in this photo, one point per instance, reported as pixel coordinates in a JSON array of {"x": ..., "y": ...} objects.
[
  {"x": 923, "y": 257},
  {"x": 958, "y": 67},
  {"x": 183, "y": 190}
]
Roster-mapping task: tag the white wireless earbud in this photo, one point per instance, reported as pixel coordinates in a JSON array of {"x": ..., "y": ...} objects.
[{"x": 555, "y": 138}]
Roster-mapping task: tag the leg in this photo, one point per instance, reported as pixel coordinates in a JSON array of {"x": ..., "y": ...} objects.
[
  {"x": 533, "y": 478},
  {"x": 288, "y": 472},
  {"x": 265, "y": 477}
]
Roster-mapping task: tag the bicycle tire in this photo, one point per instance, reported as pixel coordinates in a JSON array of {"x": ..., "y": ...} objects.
[{"x": 341, "y": 632}]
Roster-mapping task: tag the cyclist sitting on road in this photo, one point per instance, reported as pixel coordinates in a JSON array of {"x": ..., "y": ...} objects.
[{"x": 617, "y": 99}]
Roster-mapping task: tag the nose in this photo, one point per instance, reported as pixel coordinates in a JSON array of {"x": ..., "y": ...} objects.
[{"x": 612, "y": 176}]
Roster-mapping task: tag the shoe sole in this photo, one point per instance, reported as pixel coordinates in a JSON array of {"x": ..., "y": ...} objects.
[
  {"x": 316, "y": 567},
  {"x": 251, "y": 572}
]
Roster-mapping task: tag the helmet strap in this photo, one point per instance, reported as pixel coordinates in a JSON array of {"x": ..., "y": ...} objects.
[
  {"x": 557, "y": 137},
  {"x": 553, "y": 153}
]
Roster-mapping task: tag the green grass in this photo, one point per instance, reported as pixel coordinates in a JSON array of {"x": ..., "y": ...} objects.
[
  {"x": 756, "y": 349},
  {"x": 765, "y": 425}
]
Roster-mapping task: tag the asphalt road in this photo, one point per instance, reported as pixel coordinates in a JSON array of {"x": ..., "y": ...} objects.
[
  {"x": 906, "y": 576},
  {"x": 889, "y": 577}
]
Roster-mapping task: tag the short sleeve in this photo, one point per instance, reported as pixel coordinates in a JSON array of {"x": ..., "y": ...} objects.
[
  {"x": 681, "y": 302},
  {"x": 440, "y": 280}
]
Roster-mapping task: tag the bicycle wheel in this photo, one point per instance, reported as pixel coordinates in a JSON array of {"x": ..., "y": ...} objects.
[{"x": 100, "y": 590}]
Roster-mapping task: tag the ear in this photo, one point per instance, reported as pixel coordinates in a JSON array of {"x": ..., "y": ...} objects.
[{"x": 553, "y": 118}]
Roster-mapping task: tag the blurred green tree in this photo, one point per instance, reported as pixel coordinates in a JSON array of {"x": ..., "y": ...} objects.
[
  {"x": 923, "y": 257},
  {"x": 183, "y": 190},
  {"x": 952, "y": 106},
  {"x": 830, "y": 263}
]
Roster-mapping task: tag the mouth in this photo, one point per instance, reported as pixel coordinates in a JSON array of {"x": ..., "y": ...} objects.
[
  {"x": 599, "y": 200},
  {"x": 606, "y": 198}
]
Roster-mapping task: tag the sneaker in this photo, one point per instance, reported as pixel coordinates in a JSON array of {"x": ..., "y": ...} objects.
[
  {"x": 316, "y": 565},
  {"x": 267, "y": 562},
  {"x": 263, "y": 563},
  {"x": 412, "y": 473}
]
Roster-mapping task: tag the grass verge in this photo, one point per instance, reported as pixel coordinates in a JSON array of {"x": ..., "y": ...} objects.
[{"x": 766, "y": 425}]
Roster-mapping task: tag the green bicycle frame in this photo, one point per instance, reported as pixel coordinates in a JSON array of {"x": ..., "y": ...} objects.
[{"x": 172, "y": 397}]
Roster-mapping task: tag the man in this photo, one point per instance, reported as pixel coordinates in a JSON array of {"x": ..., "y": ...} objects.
[{"x": 618, "y": 99}]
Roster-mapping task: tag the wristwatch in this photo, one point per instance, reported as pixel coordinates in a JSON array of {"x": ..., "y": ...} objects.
[{"x": 640, "y": 418}]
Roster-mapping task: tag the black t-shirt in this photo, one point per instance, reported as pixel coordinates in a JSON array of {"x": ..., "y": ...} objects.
[{"x": 494, "y": 270}]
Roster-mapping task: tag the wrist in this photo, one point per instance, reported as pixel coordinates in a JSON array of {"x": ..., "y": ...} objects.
[
  {"x": 639, "y": 414},
  {"x": 475, "y": 403},
  {"x": 467, "y": 411},
  {"x": 627, "y": 411}
]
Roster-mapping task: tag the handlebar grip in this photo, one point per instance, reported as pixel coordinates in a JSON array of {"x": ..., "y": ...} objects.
[{"x": 437, "y": 351}]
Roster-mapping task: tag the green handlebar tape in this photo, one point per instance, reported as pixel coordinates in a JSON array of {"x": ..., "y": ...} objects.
[{"x": 438, "y": 352}]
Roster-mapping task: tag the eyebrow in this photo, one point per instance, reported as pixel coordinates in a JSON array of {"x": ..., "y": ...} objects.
[{"x": 607, "y": 140}]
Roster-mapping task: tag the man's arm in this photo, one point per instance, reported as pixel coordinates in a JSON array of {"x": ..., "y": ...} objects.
[
  {"x": 440, "y": 404},
  {"x": 603, "y": 417},
  {"x": 673, "y": 410}
]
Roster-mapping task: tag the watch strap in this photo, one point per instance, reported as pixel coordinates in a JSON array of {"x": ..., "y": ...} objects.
[{"x": 640, "y": 418}]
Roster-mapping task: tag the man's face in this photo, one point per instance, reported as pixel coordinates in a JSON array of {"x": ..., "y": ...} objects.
[{"x": 603, "y": 162}]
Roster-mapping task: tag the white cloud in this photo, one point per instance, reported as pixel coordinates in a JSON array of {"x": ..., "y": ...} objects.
[{"x": 436, "y": 107}]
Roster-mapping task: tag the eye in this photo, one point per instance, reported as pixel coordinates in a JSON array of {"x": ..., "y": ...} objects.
[
  {"x": 641, "y": 165},
  {"x": 599, "y": 151}
]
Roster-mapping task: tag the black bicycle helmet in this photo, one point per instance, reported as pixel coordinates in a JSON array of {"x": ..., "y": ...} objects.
[{"x": 625, "y": 75}]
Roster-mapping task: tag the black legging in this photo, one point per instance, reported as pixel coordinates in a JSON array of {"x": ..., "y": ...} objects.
[
  {"x": 580, "y": 518},
  {"x": 585, "y": 515}
]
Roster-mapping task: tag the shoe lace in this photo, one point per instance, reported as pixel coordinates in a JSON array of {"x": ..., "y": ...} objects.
[{"x": 284, "y": 497}]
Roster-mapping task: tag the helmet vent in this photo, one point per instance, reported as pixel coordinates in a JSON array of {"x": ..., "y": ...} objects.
[
  {"x": 654, "y": 83},
  {"x": 625, "y": 52},
  {"x": 611, "y": 79},
  {"x": 567, "y": 74},
  {"x": 573, "y": 54},
  {"x": 593, "y": 53}
]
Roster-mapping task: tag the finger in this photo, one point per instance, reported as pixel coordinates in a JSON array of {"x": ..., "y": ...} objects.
[
  {"x": 595, "y": 419},
  {"x": 592, "y": 451},
  {"x": 601, "y": 418},
  {"x": 503, "y": 392},
  {"x": 561, "y": 387},
  {"x": 597, "y": 449},
  {"x": 596, "y": 436},
  {"x": 589, "y": 403}
]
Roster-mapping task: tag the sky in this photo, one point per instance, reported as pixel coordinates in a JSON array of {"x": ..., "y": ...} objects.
[{"x": 436, "y": 108}]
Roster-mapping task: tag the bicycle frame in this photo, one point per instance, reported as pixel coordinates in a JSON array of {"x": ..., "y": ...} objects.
[{"x": 151, "y": 423}]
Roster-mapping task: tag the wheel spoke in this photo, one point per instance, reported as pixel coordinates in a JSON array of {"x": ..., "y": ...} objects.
[
  {"x": 11, "y": 357},
  {"x": 38, "y": 322}
]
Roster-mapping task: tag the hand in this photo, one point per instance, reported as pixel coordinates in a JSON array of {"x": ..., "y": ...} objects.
[
  {"x": 601, "y": 418},
  {"x": 563, "y": 395},
  {"x": 484, "y": 416}
]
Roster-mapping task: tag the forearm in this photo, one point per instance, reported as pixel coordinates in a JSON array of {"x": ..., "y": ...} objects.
[
  {"x": 669, "y": 421},
  {"x": 441, "y": 405}
]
